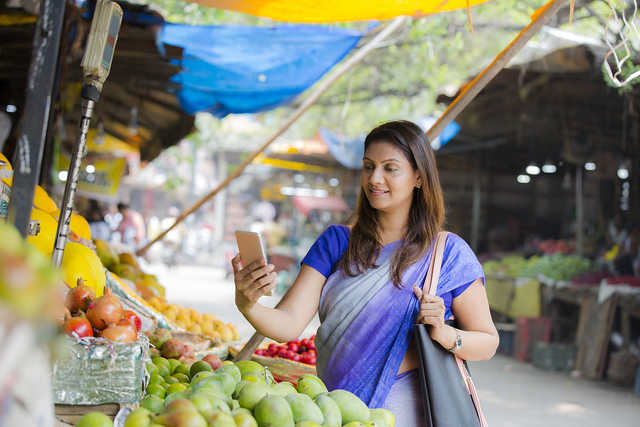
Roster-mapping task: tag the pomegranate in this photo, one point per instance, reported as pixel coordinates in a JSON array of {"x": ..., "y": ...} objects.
[
  {"x": 78, "y": 325},
  {"x": 80, "y": 297},
  {"x": 133, "y": 318},
  {"x": 105, "y": 310},
  {"x": 124, "y": 331}
]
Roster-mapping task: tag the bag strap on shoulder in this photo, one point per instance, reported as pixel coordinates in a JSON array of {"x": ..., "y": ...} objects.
[{"x": 433, "y": 274}]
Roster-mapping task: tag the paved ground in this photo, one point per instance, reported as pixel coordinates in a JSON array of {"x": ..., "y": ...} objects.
[{"x": 513, "y": 394}]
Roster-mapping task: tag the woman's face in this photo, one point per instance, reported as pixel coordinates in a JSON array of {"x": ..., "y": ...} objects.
[{"x": 388, "y": 179}]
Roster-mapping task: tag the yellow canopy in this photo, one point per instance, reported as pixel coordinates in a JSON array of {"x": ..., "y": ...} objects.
[{"x": 321, "y": 11}]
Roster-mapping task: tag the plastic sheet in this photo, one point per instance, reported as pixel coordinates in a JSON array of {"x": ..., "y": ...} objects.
[{"x": 95, "y": 371}]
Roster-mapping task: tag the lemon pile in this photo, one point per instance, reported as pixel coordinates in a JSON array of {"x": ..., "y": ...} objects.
[{"x": 193, "y": 321}]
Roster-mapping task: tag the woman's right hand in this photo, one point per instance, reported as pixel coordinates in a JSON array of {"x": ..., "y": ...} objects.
[{"x": 253, "y": 281}]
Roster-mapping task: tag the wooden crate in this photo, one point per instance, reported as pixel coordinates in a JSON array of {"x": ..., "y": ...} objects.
[
  {"x": 281, "y": 369},
  {"x": 530, "y": 330}
]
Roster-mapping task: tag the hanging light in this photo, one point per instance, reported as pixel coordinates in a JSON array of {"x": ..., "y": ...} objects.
[
  {"x": 590, "y": 166},
  {"x": 549, "y": 167},
  {"x": 532, "y": 169},
  {"x": 90, "y": 168},
  {"x": 523, "y": 179},
  {"x": 623, "y": 172}
]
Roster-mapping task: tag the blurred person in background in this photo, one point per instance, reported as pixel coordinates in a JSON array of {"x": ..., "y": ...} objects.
[
  {"x": 99, "y": 227},
  {"x": 131, "y": 228}
]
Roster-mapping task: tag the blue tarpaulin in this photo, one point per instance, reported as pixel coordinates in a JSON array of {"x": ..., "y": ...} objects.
[
  {"x": 349, "y": 152},
  {"x": 244, "y": 69}
]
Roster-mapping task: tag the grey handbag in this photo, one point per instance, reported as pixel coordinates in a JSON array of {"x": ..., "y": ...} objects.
[{"x": 450, "y": 396}]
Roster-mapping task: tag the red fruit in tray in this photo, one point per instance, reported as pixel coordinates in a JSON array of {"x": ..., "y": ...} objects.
[
  {"x": 261, "y": 352},
  {"x": 78, "y": 325},
  {"x": 213, "y": 361},
  {"x": 282, "y": 352},
  {"x": 292, "y": 346},
  {"x": 296, "y": 358},
  {"x": 133, "y": 318},
  {"x": 306, "y": 358}
]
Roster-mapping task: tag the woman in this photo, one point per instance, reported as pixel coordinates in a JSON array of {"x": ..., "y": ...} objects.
[{"x": 365, "y": 281}]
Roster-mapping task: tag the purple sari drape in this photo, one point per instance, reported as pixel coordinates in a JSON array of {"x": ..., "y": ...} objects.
[{"x": 366, "y": 322}]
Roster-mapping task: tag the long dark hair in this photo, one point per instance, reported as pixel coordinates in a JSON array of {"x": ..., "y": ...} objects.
[{"x": 426, "y": 215}]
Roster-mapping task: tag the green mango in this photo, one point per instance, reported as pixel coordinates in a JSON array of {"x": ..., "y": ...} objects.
[
  {"x": 311, "y": 385},
  {"x": 330, "y": 410},
  {"x": 351, "y": 407},
  {"x": 221, "y": 419},
  {"x": 282, "y": 389},
  {"x": 248, "y": 367},
  {"x": 382, "y": 417},
  {"x": 304, "y": 409},
  {"x": 273, "y": 411},
  {"x": 251, "y": 394},
  {"x": 244, "y": 419}
]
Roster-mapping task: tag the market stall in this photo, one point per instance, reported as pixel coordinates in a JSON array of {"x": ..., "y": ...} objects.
[{"x": 130, "y": 355}]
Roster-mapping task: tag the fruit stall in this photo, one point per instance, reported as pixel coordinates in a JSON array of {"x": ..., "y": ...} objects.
[
  {"x": 565, "y": 312},
  {"x": 126, "y": 356}
]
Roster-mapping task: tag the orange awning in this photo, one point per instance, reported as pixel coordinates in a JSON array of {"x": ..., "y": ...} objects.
[{"x": 324, "y": 11}]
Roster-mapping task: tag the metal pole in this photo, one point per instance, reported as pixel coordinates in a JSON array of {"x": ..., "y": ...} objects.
[
  {"x": 71, "y": 185},
  {"x": 33, "y": 125}
]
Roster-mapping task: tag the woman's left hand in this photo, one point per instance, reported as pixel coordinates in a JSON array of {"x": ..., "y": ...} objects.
[{"x": 431, "y": 310}]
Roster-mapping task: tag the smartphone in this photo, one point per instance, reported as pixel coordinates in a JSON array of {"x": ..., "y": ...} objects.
[{"x": 251, "y": 248}]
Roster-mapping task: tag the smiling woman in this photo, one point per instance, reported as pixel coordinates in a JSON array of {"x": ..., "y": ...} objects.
[{"x": 361, "y": 279}]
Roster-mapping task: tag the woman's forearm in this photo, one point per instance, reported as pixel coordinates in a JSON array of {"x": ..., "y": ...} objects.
[
  {"x": 273, "y": 323},
  {"x": 475, "y": 345}
]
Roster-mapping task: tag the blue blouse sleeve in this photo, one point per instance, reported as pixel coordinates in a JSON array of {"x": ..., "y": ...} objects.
[
  {"x": 325, "y": 253},
  {"x": 460, "y": 267}
]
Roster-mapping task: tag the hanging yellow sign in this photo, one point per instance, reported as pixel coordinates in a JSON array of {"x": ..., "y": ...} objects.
[{"x": 99, "y": 179}]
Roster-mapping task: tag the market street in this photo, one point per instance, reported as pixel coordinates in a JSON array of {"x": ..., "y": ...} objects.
[{"x": 513, "y": 394}]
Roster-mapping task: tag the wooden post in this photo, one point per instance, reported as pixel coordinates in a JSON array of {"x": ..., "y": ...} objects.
[
  {"x": 35, "y": 117},
  {"x": 322, "y": 88}
]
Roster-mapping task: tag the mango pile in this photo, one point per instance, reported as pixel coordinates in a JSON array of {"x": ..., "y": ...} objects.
[
  {"x": 244, "y": 394},
  {"x": 125, "y": 265},
  {"x": 193, "y": 321}
]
